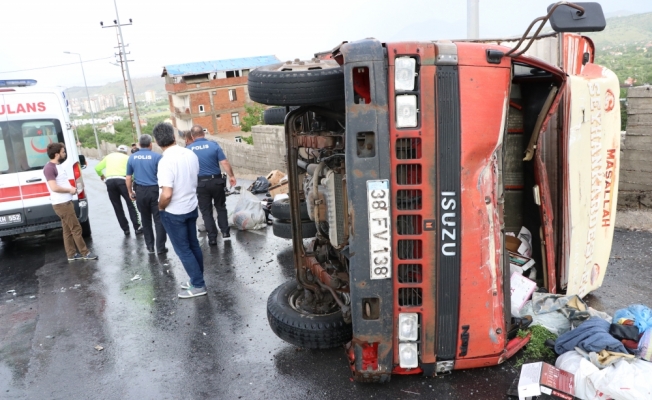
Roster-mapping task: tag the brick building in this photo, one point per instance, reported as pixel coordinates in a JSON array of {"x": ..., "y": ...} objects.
[{"x": 210, "y": 93}]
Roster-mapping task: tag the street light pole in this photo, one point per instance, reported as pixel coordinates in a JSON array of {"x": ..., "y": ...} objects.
[
  {"x": 131, "y": 88},
  {"x": 90, "y": 105}
]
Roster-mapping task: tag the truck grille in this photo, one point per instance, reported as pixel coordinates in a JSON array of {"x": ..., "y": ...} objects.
[
  {"x": 409, "y": 297},
  {"x": 410, "y": 249},
  {"x": 408, "y": 200},
  {"x": 408, "y": 174},
  {"x": 410, "y": 273},
  {"x": 408, "y": 149},
  {"x": 409, "y": 224}
]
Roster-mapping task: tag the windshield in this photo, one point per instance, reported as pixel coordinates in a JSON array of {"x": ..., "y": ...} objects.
[{"x": 23, "y": 144}]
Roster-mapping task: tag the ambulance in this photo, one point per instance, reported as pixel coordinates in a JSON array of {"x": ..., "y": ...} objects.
[{"x": 31, "y": 117}]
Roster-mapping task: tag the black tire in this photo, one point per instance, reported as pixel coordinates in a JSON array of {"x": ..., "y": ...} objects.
[
  {"x": 283, "y": 229},
  {"x": 296, "y": 84},
  {"x": 274, "y": 116},
  {"x": 310, "y": 331},
  {"x": 281, "y": 210},
  {"x": 86, "y": 228},
  {"x": 8, "y": 239}
]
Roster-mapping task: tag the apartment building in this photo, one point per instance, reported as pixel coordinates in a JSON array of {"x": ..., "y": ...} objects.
[{"x": 210, "y": 93}]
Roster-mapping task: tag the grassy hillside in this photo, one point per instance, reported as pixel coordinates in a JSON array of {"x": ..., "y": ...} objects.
[
  {"x": 141, "y": 85},
  {"x": 625, "y": 47}
]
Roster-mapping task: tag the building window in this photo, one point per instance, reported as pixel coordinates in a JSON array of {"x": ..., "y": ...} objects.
[
  {"x": 232, "y": 95},
  {"x": 201, "y": 108},
  {"x": 235, "y": 119}
]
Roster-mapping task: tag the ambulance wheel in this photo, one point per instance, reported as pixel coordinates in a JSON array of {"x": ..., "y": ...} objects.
[
  {"x": 283, "y": 229},
  {"x": 86, "y": 228},
  {"x": 297, "y": 83},
  {"x": 281, "y": 210},
  {"x": 292, "y": 323}
]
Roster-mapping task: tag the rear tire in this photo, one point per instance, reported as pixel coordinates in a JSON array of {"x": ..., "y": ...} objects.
[
  {"x": 283, "y": 229},
  {"x": 274, "y": 116},
  {"x": 86, "y": 228},
  {"x": 281, "y": 210},
  {"x": 297, "y": 84},
  {"x": 300, "y": 328}
]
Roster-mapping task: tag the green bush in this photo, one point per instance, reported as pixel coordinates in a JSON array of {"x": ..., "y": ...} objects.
[{"x": 254, "y": 116}]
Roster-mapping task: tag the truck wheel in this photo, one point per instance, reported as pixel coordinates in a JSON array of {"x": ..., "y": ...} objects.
[
  {"x": 297, "y": 83},
  {"x": 86, "y": 228},
  {"x": 281, "y": 210},
  {"x": 301, "y": 328},
  {"x": 283, "y": 229}
]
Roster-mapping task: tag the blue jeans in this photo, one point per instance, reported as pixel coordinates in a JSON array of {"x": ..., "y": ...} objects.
[{"x": 182, "y": 230}]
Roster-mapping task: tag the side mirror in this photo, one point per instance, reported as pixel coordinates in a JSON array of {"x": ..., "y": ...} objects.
[
  {"x": 566, "y": 18},
  {"x": 82, "y": 161}
]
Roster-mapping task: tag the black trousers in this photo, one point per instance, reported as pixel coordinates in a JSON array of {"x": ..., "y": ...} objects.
[
  {"x": 147, "y": 202},
  {"x": 118, "y": 188},
  {"x": 211, "y": 192}
]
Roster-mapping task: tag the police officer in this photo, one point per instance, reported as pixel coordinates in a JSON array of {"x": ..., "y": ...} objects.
[
  {"x": 210, "y": 185},
  {"x": 112, "y": 170},
  {"x": 143, "y": 166}
]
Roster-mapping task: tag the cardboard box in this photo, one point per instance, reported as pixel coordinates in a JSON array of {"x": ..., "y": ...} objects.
[
  {"x": 274, "y": 177},
  {"x": 542, "y": 378},
  {"x": 512, "y": 243},
  {"x": 519, "y": 263},
  {"x": 522, "y": 289},
  {"x": 279, "y": 188}
]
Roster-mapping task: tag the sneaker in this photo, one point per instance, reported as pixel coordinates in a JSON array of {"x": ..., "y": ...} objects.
[
  {"x": 76, "y": 257},
  {"x": 150, "y": 250},
  {"x": 90, "y": 256},
  {"x": 186, "y": 285},
  {"x": 127, "y": 233},
  {"x": 139, "y": 231},
  {"x": 163, "y": 251},
  {"x": 192, "y": 292},
  {"x": 226, "y": 235}
]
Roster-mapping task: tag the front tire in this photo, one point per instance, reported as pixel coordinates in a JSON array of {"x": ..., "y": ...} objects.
[
  {"x": 300, "y": 328},
  {"x": 86, "y": 228}
]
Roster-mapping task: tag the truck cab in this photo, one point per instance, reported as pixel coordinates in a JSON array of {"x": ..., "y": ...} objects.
[{"x": 414, "y": 174}]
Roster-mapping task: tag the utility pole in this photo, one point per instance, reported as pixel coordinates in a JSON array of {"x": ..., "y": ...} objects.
[
  {"x": 123, "y": 53},
  {"x": 472, "y": 19},
  {"x": 90, "y": 104},
  {"x": 124, "y": 79}
]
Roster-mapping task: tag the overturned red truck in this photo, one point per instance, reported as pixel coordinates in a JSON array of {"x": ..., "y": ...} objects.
[{"x": 409, "y": 163}]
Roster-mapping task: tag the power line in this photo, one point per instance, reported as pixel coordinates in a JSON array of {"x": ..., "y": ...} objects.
[{"x": 53, "y": 66}]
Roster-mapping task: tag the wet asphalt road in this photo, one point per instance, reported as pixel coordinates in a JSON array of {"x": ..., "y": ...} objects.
[{"x": 156, "y": 346}]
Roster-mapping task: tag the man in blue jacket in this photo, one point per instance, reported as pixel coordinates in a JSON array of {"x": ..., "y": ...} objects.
[
  {"x": 210, "y": 183},
  {"x": 143, "y": 166}
]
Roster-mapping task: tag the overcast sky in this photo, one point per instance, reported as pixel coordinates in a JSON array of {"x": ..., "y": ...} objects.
[{"x": 35, "y": 33}]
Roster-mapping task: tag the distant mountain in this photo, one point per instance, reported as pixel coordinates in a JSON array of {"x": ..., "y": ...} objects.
[
  {"x": 630, "y": 29},
  {"x": 625, "y": 47},
  {"x": 619, "y": 13},
  {"x": 141, "y": 85}
]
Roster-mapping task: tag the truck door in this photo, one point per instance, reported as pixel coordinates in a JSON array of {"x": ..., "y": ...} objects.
[
  {"x": 11, "y": 204},
  {"x": 592, "y": 160}
]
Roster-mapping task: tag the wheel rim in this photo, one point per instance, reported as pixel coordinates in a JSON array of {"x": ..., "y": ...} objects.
[{"x": 295, "y": 299}]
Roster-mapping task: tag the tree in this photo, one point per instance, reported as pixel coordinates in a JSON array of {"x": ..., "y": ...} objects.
[{"x": 254, "y": 116}]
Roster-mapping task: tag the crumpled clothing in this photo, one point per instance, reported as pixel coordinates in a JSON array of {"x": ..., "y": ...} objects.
[
  {"x": 640, "y": 314},
  {"x": 572, "y": 307},
  {"x": 605, "y": 358},
  {"x": 592, "y": 336}
]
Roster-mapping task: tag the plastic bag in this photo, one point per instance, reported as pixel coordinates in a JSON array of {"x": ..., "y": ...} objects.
[
  {"x": 248, "y": 213},
  {"x": 576, "y": 364},
  {"x": 624, "y": 380},
  {"x": 261, "y": 185},
  {"x": 554, "y": 321},
  {"x": 645, "y": 346},
  {"x": 641, "y": 315}
]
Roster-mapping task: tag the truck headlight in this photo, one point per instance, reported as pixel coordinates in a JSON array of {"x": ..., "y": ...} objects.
[
  {"x": 404, "y": 72},
  {"x": 408, "y": 355},
  {"x": 406, "y": 111},
  {"x": 408, "y": 326}
]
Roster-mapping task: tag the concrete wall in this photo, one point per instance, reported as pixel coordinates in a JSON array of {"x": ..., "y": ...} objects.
[
  {"x": 635, "y": 190},
  {"x": 266, "y": 154}
]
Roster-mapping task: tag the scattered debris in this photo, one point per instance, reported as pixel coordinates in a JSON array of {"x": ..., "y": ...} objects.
[
  {"x": 407, "y": 391},
  {"x": 10, "y": 300},
  {"x": 99, "y": 348},
  {"x": 77, "y": 285},
  {"x": 136, "y": 278},
  {"x": 49, "y": 337},
  {"x": 12, "y": 291},
  {"x": 32, "y": 297},
  {"x": 63, "y": 290},
  {"x": 204, "y": 333}
]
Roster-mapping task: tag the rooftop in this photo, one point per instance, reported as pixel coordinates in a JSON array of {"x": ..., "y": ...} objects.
[{"x": 206, "y": 67}]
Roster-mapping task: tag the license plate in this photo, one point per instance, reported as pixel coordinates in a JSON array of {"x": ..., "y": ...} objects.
[
  {"x": 380, "y": 229},
  {"x": 11, "y": 219}
]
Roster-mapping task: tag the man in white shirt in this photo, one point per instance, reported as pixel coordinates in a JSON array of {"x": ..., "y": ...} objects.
[{"x": 177, "y": 178}]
